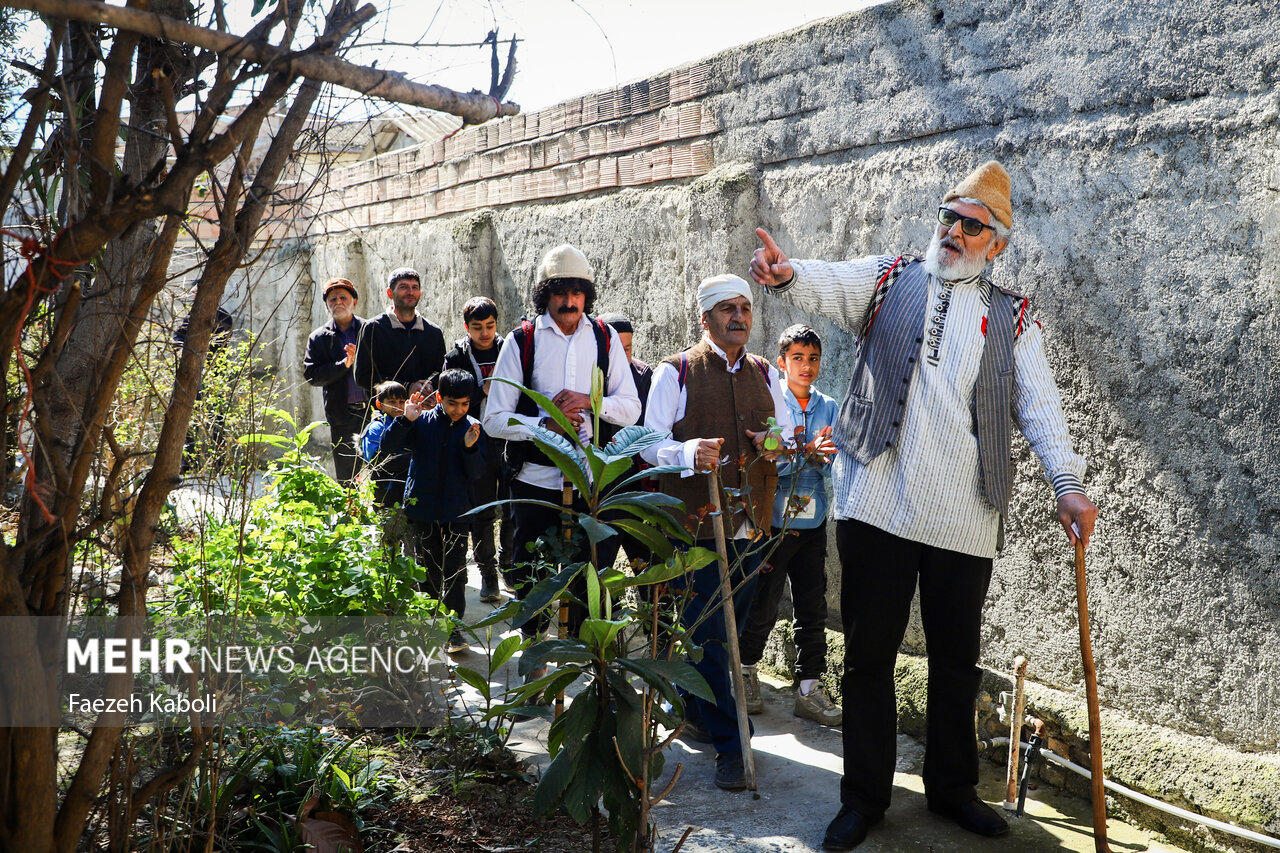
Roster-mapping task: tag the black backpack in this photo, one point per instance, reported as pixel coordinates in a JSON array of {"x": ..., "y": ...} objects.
[{"x": 520, "y": 452}]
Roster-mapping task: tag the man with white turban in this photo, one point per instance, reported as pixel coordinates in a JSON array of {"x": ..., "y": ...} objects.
[{"x": 733, "y": 395}]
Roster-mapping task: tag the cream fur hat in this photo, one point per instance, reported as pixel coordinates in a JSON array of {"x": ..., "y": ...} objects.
[
  {"x": 718, "y": 288},
  {"x": 565, "y": 262},
  {"x": 989, "y": 184}
]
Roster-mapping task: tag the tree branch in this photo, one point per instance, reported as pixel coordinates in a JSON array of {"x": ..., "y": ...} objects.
[{"x": 473, "y": 108}]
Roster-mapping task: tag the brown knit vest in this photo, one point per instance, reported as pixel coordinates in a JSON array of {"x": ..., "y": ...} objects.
[{"x": 724, "y": 405}]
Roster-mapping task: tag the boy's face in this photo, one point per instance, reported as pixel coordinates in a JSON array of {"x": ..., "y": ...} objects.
[
  {"x": 483, "y": 332},
  {"x": 800, "y": 364},
  {"x": 455, "y": 407},
  {"x": 393, "y": 406},
  {"x": 624, "y": 338}
]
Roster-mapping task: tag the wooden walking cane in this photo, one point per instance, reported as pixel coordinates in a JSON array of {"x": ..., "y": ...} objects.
[
  {"x": 1095, "y": 716},
  {"x": 731, "y": 631},
  {"x": 566, "y": 530}
]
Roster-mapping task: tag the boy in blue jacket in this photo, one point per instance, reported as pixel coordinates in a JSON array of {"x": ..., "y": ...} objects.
[
  {"x": 446, "y": 456},
  {"x": 800, "y": 506},
  {"x": 389, "y": 466}
]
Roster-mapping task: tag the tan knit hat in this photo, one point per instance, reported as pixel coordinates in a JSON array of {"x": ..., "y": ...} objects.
[
  {"x": 989, "y": 184},
  {"x": 565, "y": 262}
]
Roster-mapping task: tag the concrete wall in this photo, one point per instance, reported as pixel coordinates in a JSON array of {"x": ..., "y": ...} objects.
[{"x": 1142, "y": 141}]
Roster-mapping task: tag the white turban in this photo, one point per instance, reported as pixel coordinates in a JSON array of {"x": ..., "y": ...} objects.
[{"x": 718, "y": 288}]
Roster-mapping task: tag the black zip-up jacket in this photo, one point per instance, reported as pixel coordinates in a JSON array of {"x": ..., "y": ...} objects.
[
  {"x": 324, "y": 367},
  {"x": 388, "y": 349},
  {"x": 441, "y": 467},
  {"x": 459, "y": 358}
]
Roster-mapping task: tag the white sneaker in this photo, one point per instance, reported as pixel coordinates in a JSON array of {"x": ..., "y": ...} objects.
[{"x": 817, "y": 706}]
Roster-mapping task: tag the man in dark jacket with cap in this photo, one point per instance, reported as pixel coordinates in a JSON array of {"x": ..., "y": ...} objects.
[
  {"x": 400, "y": 344},
  {"x": 331, "y": 350}
]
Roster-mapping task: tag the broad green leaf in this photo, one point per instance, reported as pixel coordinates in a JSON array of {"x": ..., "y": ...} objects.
[
  {"x": 599, "y": 633},
  {"x": 561, "y": 452},
  {"x": 475, "y": 679},
  {"x": 650, "y": 472},
  {"x": 596, "y": 531},
  {"x": 265, "y": 438},
  {"x": 568, "y": 650},
  {"x": 668, "y": 674},
  {"x": 656, "y": 542},
  {"x": 612, "y": 471},
  {"x": 555, "y": 779},
  {"x": 544, "y": 402},
  {"x": 634, "y": 439},
  {"x": 588, "y": 778},
  {"x": 504, "y": 651},
  {"x": 593, "y": 591}
]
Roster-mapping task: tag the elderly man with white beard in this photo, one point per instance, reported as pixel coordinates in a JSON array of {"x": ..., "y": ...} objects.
[{"x": 923, "y": 478}]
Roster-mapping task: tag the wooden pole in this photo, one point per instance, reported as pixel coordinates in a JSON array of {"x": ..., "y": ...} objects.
[
  {"x": 1015, "y": 732},
  {"x": 1095, "y": 716},
  {"x": 731, "y": 632},
  {"x": 566, "y": 530}
]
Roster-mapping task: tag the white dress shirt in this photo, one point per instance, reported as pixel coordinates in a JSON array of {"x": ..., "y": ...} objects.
[
  {"x": 666, "y": 406},
  {"x": 560, "y": 362}
]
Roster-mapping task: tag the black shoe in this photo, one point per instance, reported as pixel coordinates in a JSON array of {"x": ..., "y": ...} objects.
[
  {"x": 457, "y": 644},
  {"x": 489, "y": 586},
  {"x": 975, "y": 816},
  {"x": 847, "y": 830},
  {"x": 730, "y": 773}
]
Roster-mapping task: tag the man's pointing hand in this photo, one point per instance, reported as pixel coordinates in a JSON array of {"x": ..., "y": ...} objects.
[{"x": 769, "y": 266}]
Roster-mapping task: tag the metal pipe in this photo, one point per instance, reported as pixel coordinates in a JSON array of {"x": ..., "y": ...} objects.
[{"x": 1116, "y": 787}]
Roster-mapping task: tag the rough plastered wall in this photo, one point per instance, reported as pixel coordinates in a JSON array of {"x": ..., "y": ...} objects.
[{"x": 1143, "y": 145}]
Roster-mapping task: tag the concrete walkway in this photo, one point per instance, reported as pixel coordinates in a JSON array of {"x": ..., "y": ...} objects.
[{"x": 798, "y": 767}]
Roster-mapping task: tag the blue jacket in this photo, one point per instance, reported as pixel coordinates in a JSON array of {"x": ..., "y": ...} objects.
[
  {"x": 441, "y": 466},
  {"x": 811, "y": 480},
  {"x": 390, "y": 466}
]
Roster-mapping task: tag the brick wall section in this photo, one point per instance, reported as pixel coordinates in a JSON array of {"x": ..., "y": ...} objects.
[{"x": 646, "y": 132}]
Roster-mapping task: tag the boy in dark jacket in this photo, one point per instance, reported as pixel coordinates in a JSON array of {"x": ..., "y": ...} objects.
[
  {"x": 477, "y": 353},
  {"x": 446, "y": 455}
]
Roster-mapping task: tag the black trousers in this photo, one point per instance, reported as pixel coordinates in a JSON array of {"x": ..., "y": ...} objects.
[
  {"x": 800, "y": 557},
  {"x": 880, "y": 573},
  {"x": 493, "y": 548},
  {"x": 344, "y": 432},
  {"x": 441, "y": 551},
  {"x": 531, "y": 523}
]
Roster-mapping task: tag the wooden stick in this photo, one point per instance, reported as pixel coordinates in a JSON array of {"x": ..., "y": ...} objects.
[
  {"x": 1095, "y": 716},
  {"x": 1015, "y": 732},
  {"x": 562, "y": 628},
  {"x": 731, "y": 632}
]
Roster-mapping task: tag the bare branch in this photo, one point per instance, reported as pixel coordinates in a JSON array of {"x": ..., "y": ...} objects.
[{"x": 473, "y": 108}]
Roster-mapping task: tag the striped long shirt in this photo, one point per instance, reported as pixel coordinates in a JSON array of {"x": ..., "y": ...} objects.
[{"x": 927, "y": 487}]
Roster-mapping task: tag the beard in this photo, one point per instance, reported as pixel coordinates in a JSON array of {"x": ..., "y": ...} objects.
[{"x": 951, "y": 269}]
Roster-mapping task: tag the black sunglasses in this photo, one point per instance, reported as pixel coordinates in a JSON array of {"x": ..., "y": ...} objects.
[{"x": 969, "y": 225}]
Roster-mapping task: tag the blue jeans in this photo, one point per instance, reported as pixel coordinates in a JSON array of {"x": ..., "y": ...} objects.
[{"x": 720, "y": 717}]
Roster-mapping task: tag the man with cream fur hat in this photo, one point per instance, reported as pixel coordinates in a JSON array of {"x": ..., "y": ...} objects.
[
  {"x": 555, "y": 354},
  {"x": 734, "y": 393},
  {"x": 923, "y": 478}
]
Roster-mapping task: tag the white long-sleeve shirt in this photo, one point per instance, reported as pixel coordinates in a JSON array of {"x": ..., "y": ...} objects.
[
  {"x": 560, "y": 362},
  {"x": 666, "y": 406},
  {"x": 927, "y": 486}
]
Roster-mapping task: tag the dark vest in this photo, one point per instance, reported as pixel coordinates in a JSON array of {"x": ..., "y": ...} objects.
[
  {"x": 871, "y": 415},
  {"x": 724, "y": 405}
]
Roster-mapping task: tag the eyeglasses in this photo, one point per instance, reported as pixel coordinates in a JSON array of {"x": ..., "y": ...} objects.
[{"x": 969, "y": 225}]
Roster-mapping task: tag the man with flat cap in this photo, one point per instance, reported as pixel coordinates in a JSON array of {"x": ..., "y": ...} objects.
[
  {"x": 922, "y": 480},
  {"x": 715, "y": 398},
  {"x": 331, "y": 351}
]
